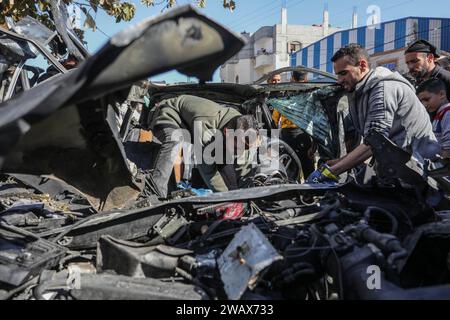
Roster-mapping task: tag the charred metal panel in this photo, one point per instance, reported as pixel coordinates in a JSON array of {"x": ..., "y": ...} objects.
[{"x": 244, "y": 260}]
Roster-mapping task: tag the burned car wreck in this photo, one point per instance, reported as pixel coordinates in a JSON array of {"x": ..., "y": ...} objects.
[{"x": 73, "y": 224}]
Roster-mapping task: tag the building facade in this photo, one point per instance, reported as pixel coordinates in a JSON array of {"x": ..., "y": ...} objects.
[
  {"x": 269, "y": 49},
  {"x": 385, "y": 42}
]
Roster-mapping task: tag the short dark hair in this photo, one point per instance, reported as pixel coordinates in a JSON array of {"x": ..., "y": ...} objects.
[
  {"x": 245, "y": 123},
  {"x": 431, "y": 85},
  {"x": 299, "y": 75},
  {"x": 354, "y": 52}
]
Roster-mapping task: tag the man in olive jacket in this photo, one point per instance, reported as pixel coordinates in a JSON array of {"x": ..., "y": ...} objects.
[{"x": 205, "y": 123}]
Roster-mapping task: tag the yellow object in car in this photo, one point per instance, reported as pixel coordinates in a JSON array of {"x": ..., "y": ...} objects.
[{"x": 282, "y": 122}]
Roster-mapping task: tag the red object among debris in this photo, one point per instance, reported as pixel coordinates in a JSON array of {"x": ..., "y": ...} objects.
[
  {"x": 233, "y": 211},
  {"x": 224, "y": 211}
]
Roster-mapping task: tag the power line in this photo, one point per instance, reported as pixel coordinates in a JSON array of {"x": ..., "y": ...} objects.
[
  {"x": 327, "y": 49},
  {"x": 96, "y": 26},
  {"x": 258, "y": 16},
  {"x": 294, "y": 5},
  {"x": 253, "y": 12},
  {"x": 250, "y": 21},
  {"x": 341, "y": 13},
  {"x": 102, "y": 32},
  {"x": 386, "y": 8},
  {"x": 257, "y": 11},
  {"x": 408, "y": 35}
]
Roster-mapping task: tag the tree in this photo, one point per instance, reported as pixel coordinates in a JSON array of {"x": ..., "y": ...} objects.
[{"x": 119, "y": 9}]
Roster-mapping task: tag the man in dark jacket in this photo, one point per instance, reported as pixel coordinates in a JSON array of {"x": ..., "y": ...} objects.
[
  {"x": 420, "y": 58},
  {"x": 204, "y": 123}
]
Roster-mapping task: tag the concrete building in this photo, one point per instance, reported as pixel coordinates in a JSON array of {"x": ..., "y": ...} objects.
[
  {"x": 269, "y": 48},
  {"x": 385, "y": 42}
]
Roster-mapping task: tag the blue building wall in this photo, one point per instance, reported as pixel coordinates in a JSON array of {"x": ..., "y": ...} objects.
[{"x": 387, "y": 36}]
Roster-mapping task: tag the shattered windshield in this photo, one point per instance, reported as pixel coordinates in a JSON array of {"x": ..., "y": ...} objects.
[{"x": 307, "y": 112}]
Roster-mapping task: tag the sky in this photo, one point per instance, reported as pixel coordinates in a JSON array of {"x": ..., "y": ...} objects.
[{"x": 250, "y": 15}]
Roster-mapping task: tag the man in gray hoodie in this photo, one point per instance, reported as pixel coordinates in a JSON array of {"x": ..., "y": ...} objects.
[{"x": 382, "y": 101}]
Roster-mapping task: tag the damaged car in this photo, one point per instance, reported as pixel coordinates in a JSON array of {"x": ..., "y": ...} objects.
[{"x": 73, "y": 224}]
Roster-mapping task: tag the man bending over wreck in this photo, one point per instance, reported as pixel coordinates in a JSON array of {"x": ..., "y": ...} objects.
[
  {"x": 382, "y": 101},
  {"x": 218, "y": 133}
]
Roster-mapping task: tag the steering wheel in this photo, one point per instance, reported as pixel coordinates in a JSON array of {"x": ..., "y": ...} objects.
[{"x": 287, "y": 158}]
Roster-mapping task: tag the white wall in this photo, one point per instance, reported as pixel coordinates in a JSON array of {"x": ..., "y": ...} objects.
[
  {"x": 280, "y": 63},
  {"x": 244, "y": 69}
]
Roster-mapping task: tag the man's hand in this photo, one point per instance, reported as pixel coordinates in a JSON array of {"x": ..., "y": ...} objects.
[
  {"x": 354, "y": 158},
  {"x": 323, "y": 175},
  {"x": 332, "y": 163}
]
